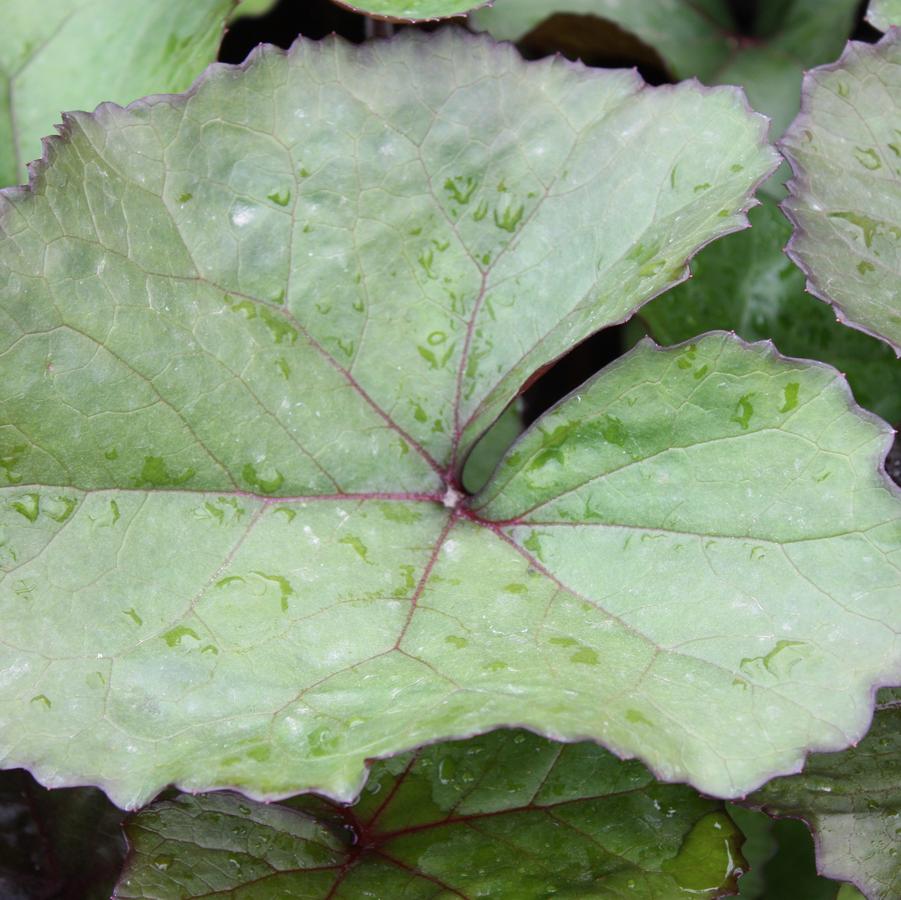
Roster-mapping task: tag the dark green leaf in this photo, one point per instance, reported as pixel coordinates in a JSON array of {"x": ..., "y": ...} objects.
[{"x": 503, "y": 815}]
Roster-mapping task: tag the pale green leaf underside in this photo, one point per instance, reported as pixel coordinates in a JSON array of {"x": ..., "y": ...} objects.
[
  {"x": 852, "y": 800},
  {"x": 248, "y": 333},
  {"x": 883, "y": 14},
  {"x": 711, "y": 598},
  {"x": 59, "y": 55},
  {"x": 412, "y": 10},
  {"x": 845, "y": 149},
  {"x": 504, "y": 815}
]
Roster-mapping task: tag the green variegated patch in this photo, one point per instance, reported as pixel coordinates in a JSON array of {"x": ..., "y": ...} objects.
[{"x": 845, "y": 149}]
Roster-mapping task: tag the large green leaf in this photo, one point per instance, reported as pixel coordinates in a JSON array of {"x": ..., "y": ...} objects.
[
  {"x": 505, "y": 815},
  {"x": 72, "y": 54},
  {"x": 700, "y": 39},
  {"x": 883, "y": 14},
  {"x": 845, "y": 150},
  {"x": 851, "y": 801},
  {"x": 745, "y": 283},
  {"x": 250, "y": 335},
  {"x": 412, "y": 10}
]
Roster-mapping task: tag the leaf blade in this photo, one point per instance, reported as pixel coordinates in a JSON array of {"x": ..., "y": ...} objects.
[
  {"x": 411, "y": 10},
  {"x": 68, "y": 55},
  {"x": 845, "y": 239},
  {"x": 745, "y": 284},
  {"x": 883, "y": 14}
]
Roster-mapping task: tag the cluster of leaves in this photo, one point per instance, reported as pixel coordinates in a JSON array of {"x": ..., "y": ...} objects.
[{"x": 261, "y": 521}]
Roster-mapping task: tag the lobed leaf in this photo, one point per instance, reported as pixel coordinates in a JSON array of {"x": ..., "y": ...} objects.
[
  {"x": 490, "y": 449},
  {"x": 503, "y": 815},
  {"x": 883, "y": 14},
  {"x": 250, "y": 336},
  {"x": 745, "y": 283},
  {"x": 851, "y": 802},
  {"x": 845, "y": 151},
  {"x": 72, "y": 54}
]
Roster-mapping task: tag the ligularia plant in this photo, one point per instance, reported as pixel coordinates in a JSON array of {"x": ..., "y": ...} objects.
[{"x": 252, "y": 335}]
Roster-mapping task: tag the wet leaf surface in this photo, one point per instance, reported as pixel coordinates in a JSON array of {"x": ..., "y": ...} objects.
[
  {"x": 845, "y": 150},
  {"x": 702, "y": 40},
  {"x": 57, "y": 845},
  {"x": 246, "y": 361},
  {"x": 73, "y": 54},
  {"x": 745, "y": 283},
  {"x": 412, "y": 10}
]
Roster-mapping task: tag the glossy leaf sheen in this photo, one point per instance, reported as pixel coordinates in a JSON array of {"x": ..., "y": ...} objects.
[
  {"x": 504, "y": 815},
  {"x": 851, "y": 801},
  {"x": 72, "y": 54},
  {"x": 245, "y": 361},
  {"x": 745, "y": 283},
  {"x": 845, "y": 150}
]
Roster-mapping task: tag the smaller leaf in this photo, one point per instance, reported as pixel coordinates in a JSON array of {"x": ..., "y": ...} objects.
[
  {"x": 789, "y": 37},
  {"x": 851, "y": 801},
  {"x": 252, "y": 9},
  {"x": 412, "y": 10},
  {"x": 883, "y": 14},
  {"x": 759, "y": 847},
  {"x": 68, "y": 54},
  {"x": 57, "y": 844},
  {"x": 507, "y": 814},
  {"x": 845, "y": 150},
  {"x": 690, "y": 39},
  {"x": 746, "y": 284}
]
